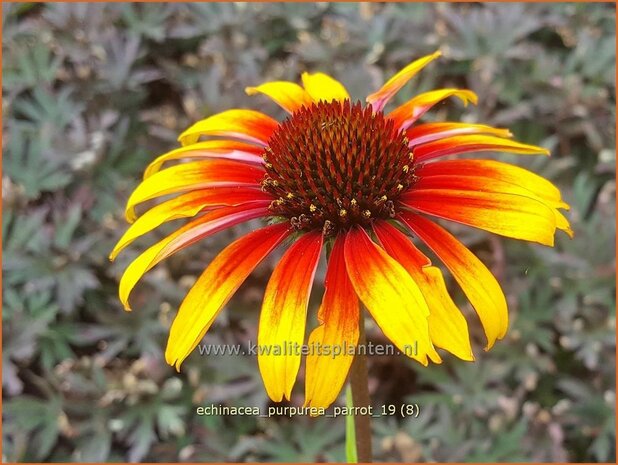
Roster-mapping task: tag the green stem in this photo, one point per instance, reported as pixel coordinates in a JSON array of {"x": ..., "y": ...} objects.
[
  {"x": 360, "y": 398},
  {"x": 350, "y": 430}
]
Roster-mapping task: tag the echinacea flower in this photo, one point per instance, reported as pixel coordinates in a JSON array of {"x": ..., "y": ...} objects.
[{"x": 356, "y": 180}]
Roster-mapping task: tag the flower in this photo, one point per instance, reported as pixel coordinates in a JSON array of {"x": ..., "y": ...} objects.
[{"x": 354, "y": 179}]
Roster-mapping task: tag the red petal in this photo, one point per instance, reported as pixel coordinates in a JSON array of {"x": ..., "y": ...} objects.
[
  {"x": 389, "y": 293},
  {"x": 191, "y": 176},
  {"x": 284, "y": 315},
  {"x": 249, "y": 125},
  {"x": 226, "y": 149},
  {"x": 405, "y": 115},
  {"x": 475, "y": 279},
  {"x": 447, "y": 326},
  {"x": 216, "y": 286},
  {"x": 206, "y": 225},
  {"x": 338, "y": 316},
  {"x": 188, "y": 205},
  {"x": 424, "y": 133},
  {"x": 473, "y": 143},
  {"x": 505, "y": 214}
]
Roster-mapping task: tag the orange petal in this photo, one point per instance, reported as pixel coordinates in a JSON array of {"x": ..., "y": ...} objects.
[
  {"x": 390, "y": 294},
  {"x": 423, "y": 133},
  {"x": 379, "y": 99},
  {"x": 249, "y": 125},
  {"x": 405, "y": 115},
  {"x": 493, "y": 176},
  {"x": 185, "y": 206},
  {"x": 338, "y": 331},
  {"x": 216, "y": 286},
  {"x": 190, "y": 233},
  {"x": 505, "y": 214},
  {"x": 288, "y": 95},
  {"x": 284, "y": 314},
  {"x": 447, "y": 326},
  {"x": 493, "y": 170},
  {"x": 475, "y": 279},
  {"x": 191, "y": 176},
  {"x": 226, "y": 149},
  {"x": 321, "y": 86},
  {"x": 473, "y": 143}
]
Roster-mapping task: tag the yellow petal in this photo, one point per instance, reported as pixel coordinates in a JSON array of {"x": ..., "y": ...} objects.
[
  {"x": 216, "y": 286},
  {"x": 338, "y": 332},
  {"x": 320, "y": 86},
  {"x": 379, "y": 99},
  {"x": 405, "y": 115},
  {"x": 288, "y": 95},
  {"x": 284, "y": 314},
  {"x": 505, "y": 214},
  {"x": 200, "y": 228},
  {"x": 493, "y": 177},
  {"x": 186, "y": 206},
  {"x": 249, "y": 125},
  {"x": 226, "y": 149},
  {"x": 475, "y": 279},
  {"x": 191, "y": 176},
  {"x": 563, "y": 224},
  {"x": 391, "y": 296},
  {"x": 490, "y": 172},
  {"x": 447, "y": 326}
]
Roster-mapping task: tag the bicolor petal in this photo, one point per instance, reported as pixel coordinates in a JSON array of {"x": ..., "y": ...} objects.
[
  {"x": 226, "y": 149},
  {"x": 447, "y": 326},
  {"x": 473, "y": 143},
  {"x": 336, "y": 335},
  {"x": 248, "y": 125},
  {"x": 321, "y": 86},
  {"x": 191, "y": 176},
  {"x": 493, "y": 177},
  {"x": 509, "y": 215},
  {"x": 492, "y": 169},
  {"x": 390, "y": 294},
  {"x": 475, "y": 279},
  {"x": 405, "y": 115},
  {"x": 380, "y": 98},
  {"x": 288, "y": 95},
  {"x": 206, "y": 225},
  {"x": 216, "y": 286},
  {"x": 284, "y": 314},
  {"x": 428, "y": 132},
  {"x": 186, "y": 206}
]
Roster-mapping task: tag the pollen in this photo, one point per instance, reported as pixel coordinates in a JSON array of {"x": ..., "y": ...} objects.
[{"x": 334, "y": 165}]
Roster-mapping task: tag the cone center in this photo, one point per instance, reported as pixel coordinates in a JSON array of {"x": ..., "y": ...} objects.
[{"x": 334, "y": 165}]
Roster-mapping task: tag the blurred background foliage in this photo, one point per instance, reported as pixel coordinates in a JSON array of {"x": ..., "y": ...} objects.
[{"x": 92, "y": 92}]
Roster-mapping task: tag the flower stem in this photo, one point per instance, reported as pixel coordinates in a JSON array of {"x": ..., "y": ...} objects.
[
  {"x": 350, "y": 430},
  {"x": 360, "y": 398}
]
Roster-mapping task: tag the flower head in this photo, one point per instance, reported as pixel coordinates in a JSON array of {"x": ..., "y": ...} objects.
[{"x": 355, "y": 178}]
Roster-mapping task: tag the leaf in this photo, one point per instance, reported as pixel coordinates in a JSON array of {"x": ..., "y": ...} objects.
[{"x": 26, "y": 165}]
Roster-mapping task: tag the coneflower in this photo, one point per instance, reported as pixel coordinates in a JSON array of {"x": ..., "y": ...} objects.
[{"x": 360, "y": 181}]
